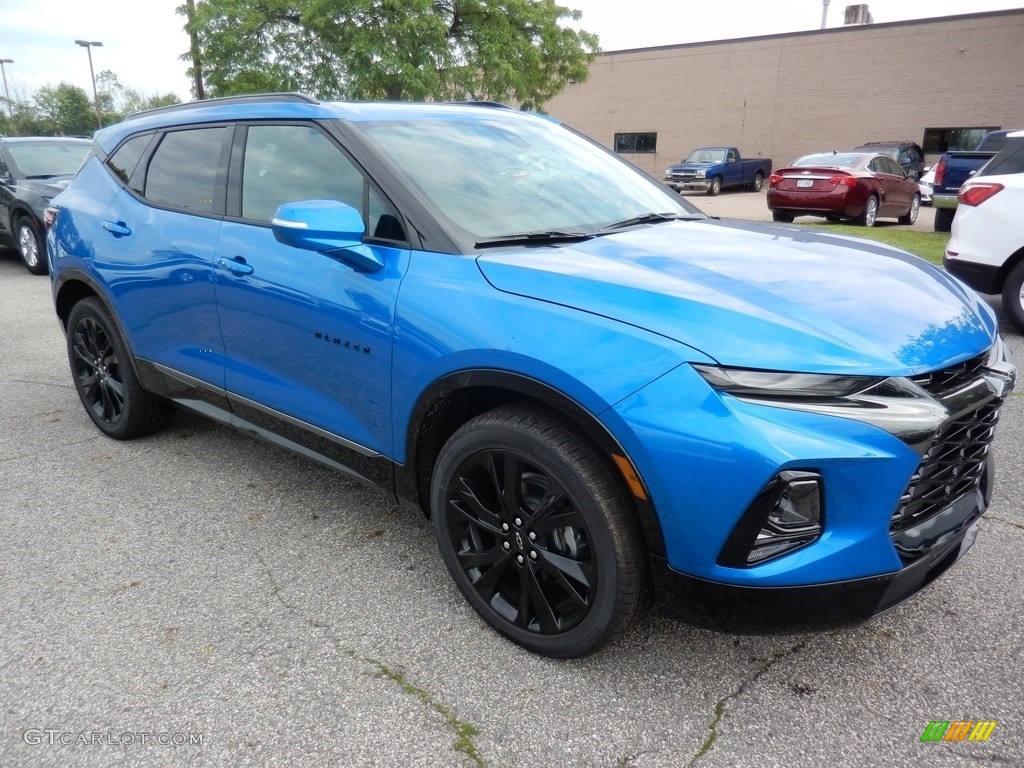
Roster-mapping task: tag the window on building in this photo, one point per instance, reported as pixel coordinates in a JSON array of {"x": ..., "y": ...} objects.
[
  {"x": 636, "y": 142},
  {"x": 940, "y": 140}
]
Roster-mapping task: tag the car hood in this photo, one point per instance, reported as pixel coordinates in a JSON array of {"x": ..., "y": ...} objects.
[
  {"x": 762, "y": 296},
  {"x": 685, "y": 167},
  {"x": 46, "y": 187}
]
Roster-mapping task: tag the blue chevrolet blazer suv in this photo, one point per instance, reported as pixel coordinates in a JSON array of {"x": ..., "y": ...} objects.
[{"x": 604, "y": 399}]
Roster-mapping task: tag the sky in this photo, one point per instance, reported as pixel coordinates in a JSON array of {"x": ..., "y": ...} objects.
[{"x": 143, "y": 39}]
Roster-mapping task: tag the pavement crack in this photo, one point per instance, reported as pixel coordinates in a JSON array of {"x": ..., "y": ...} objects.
[
  {"x": 1004, "y": 521},
  {"x": 465, "y": 733},
  {"x": 722, "y": 704}
]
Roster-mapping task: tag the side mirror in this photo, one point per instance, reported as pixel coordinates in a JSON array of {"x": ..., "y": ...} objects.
[
  {"x": 328, "y": 227},
  {"x": 913, "y": 174}
]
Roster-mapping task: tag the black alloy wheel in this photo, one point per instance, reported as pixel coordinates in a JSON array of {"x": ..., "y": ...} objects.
[
  {"x": 536, "y": 534},
  {"x": 104, "y": 377}
]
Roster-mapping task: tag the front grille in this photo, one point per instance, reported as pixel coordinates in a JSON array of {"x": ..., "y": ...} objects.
[
  {"x": 953, "y": 466},
  {"x": 938, "y": 382}
]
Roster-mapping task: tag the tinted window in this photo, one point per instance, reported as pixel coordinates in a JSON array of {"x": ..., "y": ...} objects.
[
  {"x": 1009, "y": 160},
  {"x": 287, "y": 163},
  {"x": 124, "y": 161},
  {"x": 185, "y": 169}
]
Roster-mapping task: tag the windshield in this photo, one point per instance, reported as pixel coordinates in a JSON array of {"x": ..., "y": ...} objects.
[
  {"x": 497, "y": 177},
  {"x": 51, "y": 158},
  {"x": 706, "y": 156}
]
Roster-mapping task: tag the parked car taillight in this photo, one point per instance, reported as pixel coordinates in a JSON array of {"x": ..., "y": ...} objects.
[
  {"x": 774, "y": 179},
  {"x": 846, "y": 181},
  {"x": 940, "y": 172},
  {"x": 50, "y": 216},
  {"x": 977, "y": 193}
]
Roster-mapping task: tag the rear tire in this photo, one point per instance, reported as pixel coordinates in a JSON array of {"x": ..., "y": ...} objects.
[
  {"x": 758, "y": 182},
  {"x": 1013, "y": 296},
  {"x": 870, "y": 214},
  {"x": 105, "y": 380},
  {"x": 944, "y": 219},
  {"x": 786, "y": 218},
  {"x": 536, "y": 533}
]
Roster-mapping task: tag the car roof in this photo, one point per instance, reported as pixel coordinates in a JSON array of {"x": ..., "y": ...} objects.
[
  {"x": 889, "y": 144},
  {"x": 295, "y": 106},
  {"x": 44, "y": 139}
]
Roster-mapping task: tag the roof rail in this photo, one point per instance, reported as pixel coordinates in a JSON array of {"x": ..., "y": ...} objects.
[
  {"x": 248, "y": 98},
  {"x": 492, "y": 104}
]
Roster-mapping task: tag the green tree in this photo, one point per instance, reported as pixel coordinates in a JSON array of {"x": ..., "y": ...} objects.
[
  {"x": 117, "y": 101},
  {"x": 504, "y": 50},
  {"x": 66, "y": 109}
]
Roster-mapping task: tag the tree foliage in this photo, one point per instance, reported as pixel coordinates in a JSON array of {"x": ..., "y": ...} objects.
[
  {"x": 503, "y": 50},
  {"x": 67, "y": 110}
]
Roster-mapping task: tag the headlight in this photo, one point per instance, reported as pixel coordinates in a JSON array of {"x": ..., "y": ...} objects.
[
  {"x": 896, "y": 404},
  {"x": 701, "y": 173}
]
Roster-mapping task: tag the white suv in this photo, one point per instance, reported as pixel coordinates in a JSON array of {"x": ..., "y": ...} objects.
[{"x": 986, "y": 248}]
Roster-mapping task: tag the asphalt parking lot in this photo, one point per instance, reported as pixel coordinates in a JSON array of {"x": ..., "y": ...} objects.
[
  {"x": 199, "y": 598},
  {"x": 743, "y": 204}
]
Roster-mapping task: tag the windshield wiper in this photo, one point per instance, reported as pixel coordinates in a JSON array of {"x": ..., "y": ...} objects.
[
  {"x": 529, "y": 238},
  {"x": 644, "y": 218}
]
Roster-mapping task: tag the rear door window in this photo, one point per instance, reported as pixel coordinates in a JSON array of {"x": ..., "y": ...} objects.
[{"x": 189, "y": 169}]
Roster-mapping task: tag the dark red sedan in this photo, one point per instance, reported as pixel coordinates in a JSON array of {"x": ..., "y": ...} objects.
[{"x": 844, "y": 185}]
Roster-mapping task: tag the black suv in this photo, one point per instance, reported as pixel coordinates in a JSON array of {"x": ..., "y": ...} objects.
[
  {"x": 32, "y": 171},
  {"x": 909, "y": 155}
]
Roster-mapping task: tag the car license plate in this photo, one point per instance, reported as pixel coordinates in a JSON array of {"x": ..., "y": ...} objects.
[{"x": 805, "y": 182}]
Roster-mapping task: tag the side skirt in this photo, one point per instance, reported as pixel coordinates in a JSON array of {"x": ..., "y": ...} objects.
[{"x": 265, "y": 423}]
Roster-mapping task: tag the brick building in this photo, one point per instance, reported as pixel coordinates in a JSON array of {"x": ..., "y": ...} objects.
[{"x": 940, "y": 82}]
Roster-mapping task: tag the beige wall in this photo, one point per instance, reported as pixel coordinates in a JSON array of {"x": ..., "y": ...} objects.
[{"x": 782, "y": 96}]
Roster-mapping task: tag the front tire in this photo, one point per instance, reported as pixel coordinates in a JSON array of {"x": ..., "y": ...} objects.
[
  {"x": 870, "y": 214},
  {"x": 1013, "y": 296},
  {"x": 31, "y": 245},
  {"x": 536, "y": 533},
  {"x": 915, "y": 208},
  {"x": 715, "y": 187},
  {"x": 104, "y": 377}
]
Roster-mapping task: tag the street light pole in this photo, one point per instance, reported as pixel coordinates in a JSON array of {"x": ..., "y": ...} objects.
[
  {"x": 89, "y": 45},
  {"x": 10, "y": 109}
]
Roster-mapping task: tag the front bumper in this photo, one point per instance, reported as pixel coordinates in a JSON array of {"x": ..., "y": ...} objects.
[
  {"x": 944, "y": 201},
  {"x": 680, "y": 184},
  {"x": 730, "y": 608}
]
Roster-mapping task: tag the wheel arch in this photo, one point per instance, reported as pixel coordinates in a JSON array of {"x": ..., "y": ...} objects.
[
  {"x": 1014, "y": 259},
  {"x": 71, "y": 287},
  {"x": 458, "y": 397},
  {"x": 20, "y": 208}
]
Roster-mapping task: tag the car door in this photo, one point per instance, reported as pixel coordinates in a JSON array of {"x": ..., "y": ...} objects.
[
  {"x": 159, "y": 236},
  {"x": 308, "y": 338},
  {"x": 733, "y": 169},
  {"x": 889, "y": 191}
]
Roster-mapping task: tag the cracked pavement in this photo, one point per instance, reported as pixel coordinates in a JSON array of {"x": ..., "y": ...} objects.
[{"x": 200, "y": 582}]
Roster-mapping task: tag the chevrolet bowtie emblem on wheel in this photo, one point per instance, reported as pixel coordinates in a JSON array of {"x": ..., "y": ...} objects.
[{"x": 519, "y": 540}]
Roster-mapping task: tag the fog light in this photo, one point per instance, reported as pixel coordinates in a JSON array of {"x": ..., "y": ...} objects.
[{"x": 785, "y": 516}]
